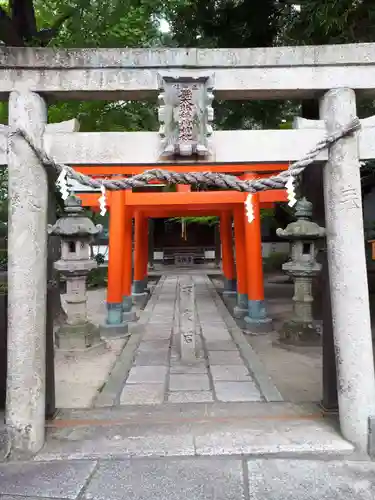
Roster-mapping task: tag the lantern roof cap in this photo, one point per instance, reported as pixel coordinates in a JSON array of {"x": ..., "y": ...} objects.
[
  {"x": 303, "y": 228},
  {"x": 74, "y": 223}
]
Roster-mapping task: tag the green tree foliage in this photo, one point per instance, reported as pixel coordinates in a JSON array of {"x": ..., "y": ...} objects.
[
  {"x": 332, "y": 21},
  {"x": 233, "y": 24}
]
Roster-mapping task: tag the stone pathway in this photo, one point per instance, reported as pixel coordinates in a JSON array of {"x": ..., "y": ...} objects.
[
  {"x": 223, "y": 478},
  {"x": 159, "y": 376}
]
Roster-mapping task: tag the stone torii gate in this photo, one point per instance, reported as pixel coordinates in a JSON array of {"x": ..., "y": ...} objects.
[{"x": 336, "y": 73}]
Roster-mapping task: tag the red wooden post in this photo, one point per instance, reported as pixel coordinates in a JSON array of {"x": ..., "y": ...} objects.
[
  {"x": 227, "y": 253},
  {"x": 257, "y": 318},
  {"x": 240, "y": 247}
]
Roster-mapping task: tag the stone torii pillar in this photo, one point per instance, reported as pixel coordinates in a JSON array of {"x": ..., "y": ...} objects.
[
  {"x": 27, "y": 277},
  {"x": 347, "y": 272}
]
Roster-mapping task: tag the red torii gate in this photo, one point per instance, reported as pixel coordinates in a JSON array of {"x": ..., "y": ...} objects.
[{"x": 245, "y": 278}]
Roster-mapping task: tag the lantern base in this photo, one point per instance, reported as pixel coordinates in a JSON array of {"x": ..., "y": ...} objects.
[
  {"x": 79, "y": 338},
  {"x": 303, "y": 334}
]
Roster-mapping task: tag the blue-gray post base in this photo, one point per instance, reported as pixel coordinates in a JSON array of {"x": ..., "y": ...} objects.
[
  {"x": 230, "y": 287},
  {"x": 114, "y": 331},
  {"x": 240, "y": 310},
  {"x": 257, "y": 320},
  {"x": 139, "y": 286},
  {"x": 139, "y": 290},
  {"x": 114, "y": 325},
  {"x": 127, "y": 314}
]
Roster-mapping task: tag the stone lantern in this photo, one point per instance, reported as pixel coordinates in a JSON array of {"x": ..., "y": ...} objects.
[
  {"x": 303, "y": 234},
  {"x": 76, "y": 232}
]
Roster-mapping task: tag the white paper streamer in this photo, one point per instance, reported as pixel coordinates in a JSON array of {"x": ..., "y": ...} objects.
[
  {"x": 62, "y": 184},
  {"x": 249, "y": 208},
  {"x": 292, "y": 200},
  {"x": 102, "y": 201}
]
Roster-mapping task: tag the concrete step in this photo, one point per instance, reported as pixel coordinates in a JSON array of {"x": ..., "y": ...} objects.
[{"x": 215, "y": 429}]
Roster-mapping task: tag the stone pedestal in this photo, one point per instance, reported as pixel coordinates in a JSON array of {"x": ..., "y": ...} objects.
[
  {"x": 301, "y": 329},
  {"x": 78, "y": 334}
]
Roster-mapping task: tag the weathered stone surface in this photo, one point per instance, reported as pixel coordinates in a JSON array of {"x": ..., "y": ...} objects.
[
  {"x": 168, "y": 480},
  {"x": 49, "y": 480},
  {"x": 176, "y": 367},
  {"x": 27, "y": 276},
  {"x": 142, "y": 394},
  {"x": 347, "y": 272},
  {"x": 190, "y": 382},
  {"x": 271, "y": 70},
  {"x": 236, "y": 391},
  {"x": 221, "y": 345},
  {"x": 147, "y": 375},
  {"x": 185, "y": 114},
  {"x": 371, "y": 437},
  {"x": 149, "y": 358},
  {"x": 190, "y": 397},
  {"x": 224, "y": 358},
  {"x": 306, "y": 479},
  {"x": 230, "y": 373}
]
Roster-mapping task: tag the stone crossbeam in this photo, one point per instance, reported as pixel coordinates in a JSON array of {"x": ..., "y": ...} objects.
[
  {"x": 256, "y": 73},
  {"x": 143, "y": 148}
]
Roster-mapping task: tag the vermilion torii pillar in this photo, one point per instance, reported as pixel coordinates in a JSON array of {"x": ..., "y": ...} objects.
[
  {"x": 115, "y": 325},
  {"x": 140, "y": 255},
  {"x": 127, "y": 302},
  {"x": 256, "y": 319},
  {"x": 240, "y": 248},
  {"x": 229, "y": 271}
]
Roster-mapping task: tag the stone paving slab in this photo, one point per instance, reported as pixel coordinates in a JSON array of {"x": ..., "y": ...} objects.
[
  {"x": 168, "y": 480},
  {"x": 146, "y": 394},
  {"x": 310, "y": 480},
  {"x": 236, "y": 391},
  {"x": 147, "y": 375},
  {"x": 187, "y": 478},
  {"x": 190, "y": 397},
  {"x": 230, "y": 373},
  {"x": 225, "y": 358},
  {"x": 52, "y": 480},
  {"x": 189, "y": 382},
  {"x": 203, "y": 429}
]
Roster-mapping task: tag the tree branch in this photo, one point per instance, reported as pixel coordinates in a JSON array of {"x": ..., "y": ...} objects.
[{"x": 8, "y": 32}]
